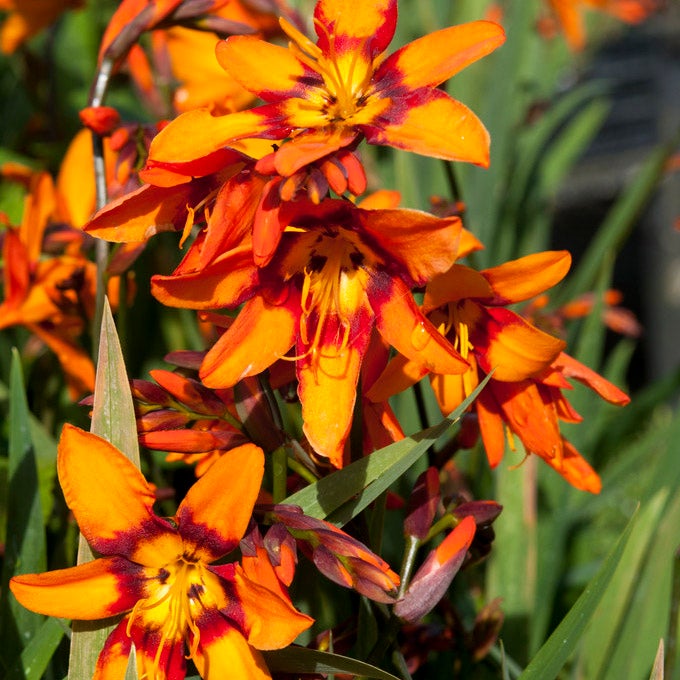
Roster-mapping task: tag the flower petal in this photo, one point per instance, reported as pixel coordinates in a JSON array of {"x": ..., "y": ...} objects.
[
  {"x": 146, "y": 211},
  {"x": 215, "y": 512},
  {"x": 527, "y": 277},
  {"x": 431, "y": 123},
  {"x": 504, "y": 341},
  {"x": 268, "y": 328},
  {"x": 399, "y": 374},
  {"x": 436, "y": 57},
  {"x": 223, "y": 647},
  {"x": 425, "y": 245},
  {"x": 198, "y": 134},
  {"x": 270, "y": 621},
  {"x": 95, "y": 590},
  {"x": 111, "y": 500},
  {"x": 327, "y": 390},
  {"x": 226, "y": 282},
  {"x": 400, "y": 322},
  {"x": 575, "y": 369},
  {"x": 348, "y": 22},
  {"x": 576, "y": 469},
  {"x": 113, "y": 660},
  {"x": 458, "y": 283},
  {"x": 269, "y": 71}
]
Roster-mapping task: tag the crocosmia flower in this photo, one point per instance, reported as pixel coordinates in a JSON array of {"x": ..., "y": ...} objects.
[
  {"x": 524, "y": 396},
  {"x": 338, "y": 272},
  {"x": 160, "y": 573},
  {"x": 327, "y": 95}
]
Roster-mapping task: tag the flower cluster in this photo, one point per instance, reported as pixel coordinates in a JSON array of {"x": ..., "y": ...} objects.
[{"x": 303, "y": 285}]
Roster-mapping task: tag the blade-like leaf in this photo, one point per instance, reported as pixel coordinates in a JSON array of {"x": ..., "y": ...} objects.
[
  {"x": 554, "y": 653},
  {"x": 657, "y": 669},
  {"x": 25, "y": 549},
  {"x": 619, "y": 222},
  {"x": 303, "y": 660},
  {"x": 113, "y": 417},
  {"x": 38, "y": 652},
  {"x": 345, "y": 493}
]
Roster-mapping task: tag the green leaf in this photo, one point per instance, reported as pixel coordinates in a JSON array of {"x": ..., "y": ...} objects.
[
  {"x": 113, "y": 418},
  {"x": 38, "y": 652},
  {"x": 552, "y": 656},
  {"x": 618, "y": 223},
  {"x": 25, "y": 550},
  {"x": 303, "y": 660},
  {"x": 345, "y": 493}
]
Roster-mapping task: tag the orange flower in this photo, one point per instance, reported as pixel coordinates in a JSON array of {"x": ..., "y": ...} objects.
[
  {"x": 160, "y": 573},
  {"x": 524, "y": 396},
  {"x": 48, "y": 296},
  {"x": 338, "y": 271},
  {"x": 28, "y": 17},
  {"x": 328, "y": 95},
  {"x": 568, "y": 13},
  {"x": 248, "y": 196}
]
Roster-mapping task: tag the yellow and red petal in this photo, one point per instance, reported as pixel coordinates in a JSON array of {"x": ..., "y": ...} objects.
[
  {"x": 261, "y": 334},
  {"x": 505, "y": 342},
  {"x": 226, "y": 282},
  {"x": 197, "y": 134},
  {"x": 424, "y": 244},
  {"x": 222, "y": 647},
  {"x": 269, "y": 71},
  {"x": 571, "y": 368},
  {"x": 167, "y": 664},
  {"x": 343, "y": 25},
  {"x": 113, "y": 660},
  {"x": 270, "y": 621},
  {"x": 215, "y": 513},
  {"x": 434, "y": 58},
  {"x": 402, "y": 324},
  {"x": 431, "y": 123},
  {"x": 111, "y": 500},
  {"x": 521, "y": 279},
  {"x": 95, "y": 590}
]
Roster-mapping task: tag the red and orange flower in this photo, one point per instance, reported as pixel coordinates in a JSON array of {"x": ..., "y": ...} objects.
[
  {"x": 338, "y": 272},
  {"x": 329, "y": 94},
  {"x": 524, "y": 396},
  {"x": 161, "y": 573}
]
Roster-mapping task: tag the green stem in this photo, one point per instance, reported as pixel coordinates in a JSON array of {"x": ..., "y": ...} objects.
[{"x": 301, "y": 470}]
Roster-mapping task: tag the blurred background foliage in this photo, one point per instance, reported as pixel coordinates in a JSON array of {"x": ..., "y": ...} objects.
[{"x": 545, "y": 111}]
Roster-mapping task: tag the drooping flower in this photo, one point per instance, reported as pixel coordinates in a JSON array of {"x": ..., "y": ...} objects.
[
  {"x": 337, "y": 555},
  {"x": 569, "y": 15},
  {"x": 160, "y": 573},
  {"x": 328, "y": 95},
  {"x": 524, "y": 396},
  {"x": 338, "y": 272}
]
